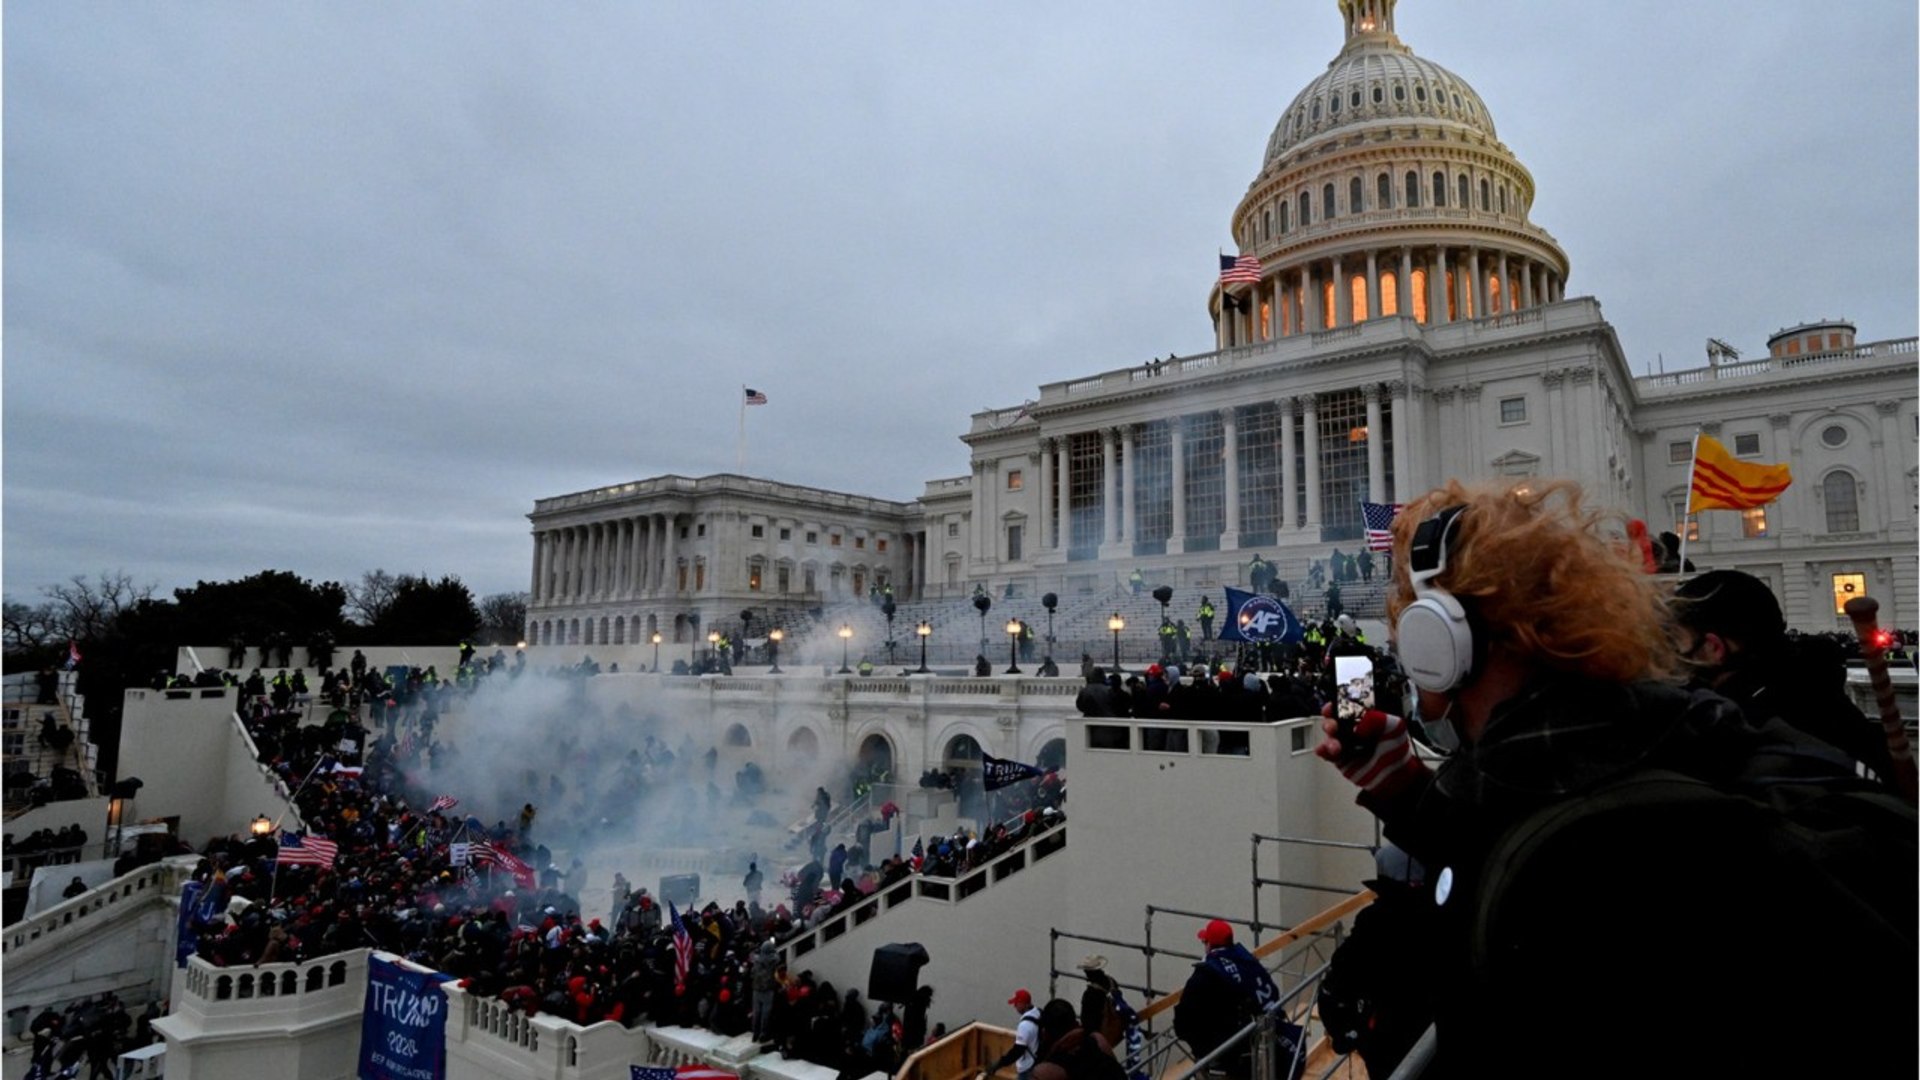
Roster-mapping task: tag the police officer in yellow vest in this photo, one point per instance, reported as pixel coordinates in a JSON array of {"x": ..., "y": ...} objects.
[{"x": 1206, "y": 619}]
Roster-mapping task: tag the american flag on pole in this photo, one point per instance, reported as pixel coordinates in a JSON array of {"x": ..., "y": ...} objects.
[
  {"x": 692, "y": 1071},
  {"x": 1239, "y": 270},
  {"x": 682, "y": 948},
  {"x": 755, "y": 397},
  {"x": 297, "y": 849},
  {"x": 442, "y": 802},
  {"x": 73, "y": 654},
  {"x": 1379, "y": 521}
]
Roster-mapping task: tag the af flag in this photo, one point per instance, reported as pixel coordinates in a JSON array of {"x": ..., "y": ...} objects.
[
  {"x": 1258, "y": 619},
  {"x": 996, "y": 773}
]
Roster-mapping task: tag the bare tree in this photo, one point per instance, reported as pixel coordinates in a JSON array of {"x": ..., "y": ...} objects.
[
  {"x": 29, "y": 626},
  {"x": 372, "y": 597},
  {"x": 503, "y": 617},
  {"x": 85, "y": 610}
]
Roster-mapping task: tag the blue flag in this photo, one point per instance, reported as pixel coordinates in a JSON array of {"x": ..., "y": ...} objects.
[
  {"x": 403, "y": 1024},
  {"x": 996, "y": 774},
  {"x": 1259, "y": 620}
]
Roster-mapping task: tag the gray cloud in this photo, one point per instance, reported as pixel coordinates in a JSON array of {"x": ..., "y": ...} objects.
[{"x": 331, "y": 287}]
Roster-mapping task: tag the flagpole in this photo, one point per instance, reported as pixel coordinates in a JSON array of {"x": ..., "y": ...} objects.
[
  {"x": 740, "y": 460},
  {"x": 1686, "y": 519}
]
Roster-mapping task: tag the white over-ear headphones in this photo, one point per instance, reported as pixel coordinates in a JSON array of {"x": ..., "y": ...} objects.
[{"x": 1435, "y": 636}]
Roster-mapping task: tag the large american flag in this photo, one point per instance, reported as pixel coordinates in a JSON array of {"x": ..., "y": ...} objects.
[
  {"x": 755, "y": 397},
  {"x": 1240, "y": 270},
  {"x": 297, "y": 849},
  {"x": 487, "y": 854},
  {"x": 442, "y": 802},
  {"x": 682, "y": 948},
  {"x": 1379, "y": 521},
  {"x": 684, "y": 1072}
]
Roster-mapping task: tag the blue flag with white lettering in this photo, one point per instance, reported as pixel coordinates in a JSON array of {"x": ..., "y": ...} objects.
[
  {"x": 1258, "y": 619},
  {"x": 403, "y": 1027}
]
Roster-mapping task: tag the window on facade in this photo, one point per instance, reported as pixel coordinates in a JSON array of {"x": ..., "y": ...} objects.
[
  {"x": 1014, "y": 480},
  {"x": 1503, "y": 198},
  {"x": 702, "y": 530},
  {"x": 1439, "y": 189},
  {"x": 860, "y": 542},
  {"x": 1746, "y": 445},
  {"x": 1284, "y": 225},
  {"x": 1420, "y": 94},
  {"x": 1813, "y": 342},
  {"x": 1390, "y": 293},
  {"x": 812, "y": 537},
  {"x": 1833, "y": 436},
  {"x": 1683, "y": 524},
  {"x": 1326, "y": 202},
  {"x": 683, "y": 532},
  {"x": 1753, "y": 522},
  {"x": 1358, "y": 287},
  {"x": 1413, "y": 189},
  {"x": 1793, "y": 347},
  {"x": 1343, "y": 461},
  {"x": 1086, "y": 491},
  {"x": 1845, "y": 588},
  {"x": 1399, "y": 92},
  {"x": 759, "y": 531},
  {"x": 1206, "y": 475},
  {"x": 833, "y": 540},
  {"x": 753, "y": 577},
  {"x": 1486, "y": 195},
  {"x": 699, "y": 576},
  {"x": 783, "y": 578},
  {"x": 1679, "y": 453},
  {"x": 1316, "y": 110},
  {"x": 1266, "y": 223},
  {"x": 1842, "y": 496},
  {"x": 880, "y": 544},
  {"x": 953, "y": 529},
  {"x": 1333, "y": 105},
  {"x": 1383, "y": 192},
  {"x": 1259, "y": 452},
  {"x": 807, "y": 580},
  {"x": 1013, "y": 543},
  {"x": 1354, "y": 196},
  {"x": 1151, "y": 474},
  {"x": 1465, "y": 202},
  {"x": 1306, "y": 209},
  {"x": 1493, "y": 294},
  {"x": 1513, "y": 410},
  {"x": 1379, "y": 95},
  {"x": 1353, "y": 99},
  {"x": 1417, "y": 295},
  {"x": 1833, "y": 341},
  {"x": 786, "y": 534}
]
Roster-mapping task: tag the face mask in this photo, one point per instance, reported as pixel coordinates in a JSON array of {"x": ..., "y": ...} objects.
[{"x": 1439, "y": 731}]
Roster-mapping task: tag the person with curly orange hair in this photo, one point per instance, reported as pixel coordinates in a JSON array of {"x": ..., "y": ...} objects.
[{"x": 1529, "y": 627}]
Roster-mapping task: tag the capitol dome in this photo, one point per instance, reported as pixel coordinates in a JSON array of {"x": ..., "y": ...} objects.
[{"x": 1384, "y": 191}]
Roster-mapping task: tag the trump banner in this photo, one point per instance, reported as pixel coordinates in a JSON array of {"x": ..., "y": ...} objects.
[
  {"x": 1259, "y": 620},
  {"x": 403, "y": 1028},
  {"x": 996, "y": 774}
]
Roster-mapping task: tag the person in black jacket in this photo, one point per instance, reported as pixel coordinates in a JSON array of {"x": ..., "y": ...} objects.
[{"x": 1227, "y": 990}]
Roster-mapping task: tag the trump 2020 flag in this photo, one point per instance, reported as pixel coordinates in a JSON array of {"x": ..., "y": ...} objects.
[
  {"x": 1259, "y": 620},
  {"x": 996, "y": 773}
]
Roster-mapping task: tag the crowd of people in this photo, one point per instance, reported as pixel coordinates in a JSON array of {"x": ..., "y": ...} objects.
[{"x": 92, "y": 1032}]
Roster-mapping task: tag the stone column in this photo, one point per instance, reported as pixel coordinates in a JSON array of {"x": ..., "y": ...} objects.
[
  {"x": 650, "y": 564},
  {"x": 1129, "y": 486},
  {"x": 564, "y": 582},
  {"x": 1045, "y": 515},
  {"x": 1287, "y": 478},
  {"x": 670, "y": 556},
  {"x": 1404, "y": 287},
  {"x": 1373, "y": 284},
  {"x": 1402, "y": 447},
  {"x": 1230, "y": 465},
  {"x": 1177, "y": 539},
  {"x": 1506, "y": 286},
  {"x": 1479, "y": 292},
  {"x": 1526, "y": 283},
  {"x": 1437, "y": 289},
  {"x": 1309, "y": 303},
  {"x": 1342, "y": 296},
  {"x": 622, "y": 555},
  {"x": 539, "y": 557},
  {"x": 1376, "y": 447},
  {"x": 1109, "y": 507},
  {"x": 1311, "y": 418}
]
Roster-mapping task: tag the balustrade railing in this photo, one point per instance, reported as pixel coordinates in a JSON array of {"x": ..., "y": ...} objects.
[{"x": 65, "y": 921}]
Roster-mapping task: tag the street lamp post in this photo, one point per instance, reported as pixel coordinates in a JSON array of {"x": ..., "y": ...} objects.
[
  {"x": 774, "y": 637},
  {"x": 925, "y": 630},
  {"x": 1013, "y": 646},
  {"x": 1116, "y": 624},
  {"x": 656, "y": 652},
  {"x": 713, "y": 646},
  {"x": 846, "y": 634}
]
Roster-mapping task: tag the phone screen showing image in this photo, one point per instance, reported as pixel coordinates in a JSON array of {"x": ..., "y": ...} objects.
[{"x": 1353, "y": 676}]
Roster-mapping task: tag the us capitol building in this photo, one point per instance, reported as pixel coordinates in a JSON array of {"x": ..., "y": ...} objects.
[{"x": 1409, "y": 323}]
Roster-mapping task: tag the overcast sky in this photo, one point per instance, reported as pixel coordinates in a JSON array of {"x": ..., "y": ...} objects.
[{"x": 325, "y": 287}]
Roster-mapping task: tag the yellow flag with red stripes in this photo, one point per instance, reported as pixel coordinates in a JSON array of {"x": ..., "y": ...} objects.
[{"x": 1724, "y": 482}]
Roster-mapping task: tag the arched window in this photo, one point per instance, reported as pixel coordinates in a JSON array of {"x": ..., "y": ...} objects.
[
  {"x": 1417, "y": 293},
  {"x": 1357, "y": 287},
  {"x": 1326, "y": 202},
  {"x": 1379, "y": 94},
  {"x": 1503, "y": 198},
  {"x": 1486, "y": 196},
  {"x": 1413, "y": 189},
  {"x": 1306, "y": 209},
  {"x": 1383, "y": 192},
  {"x": 1466, "y": 201},
  {"x": 1333, "y": 105},
  {"x": 620, "y": 630},
  {"x": 1316, "y": 110},
  {"x": 1390, "y": 293},
  {"x": 1439, "y": 189},
  {"x": 1354, "y": 196},
  {"x": 1266, "y": 223},
  {"x": 1842, "y": 496},
  {"x": 1284, "y": 207},
  {"x": 589, "y": 640}
]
